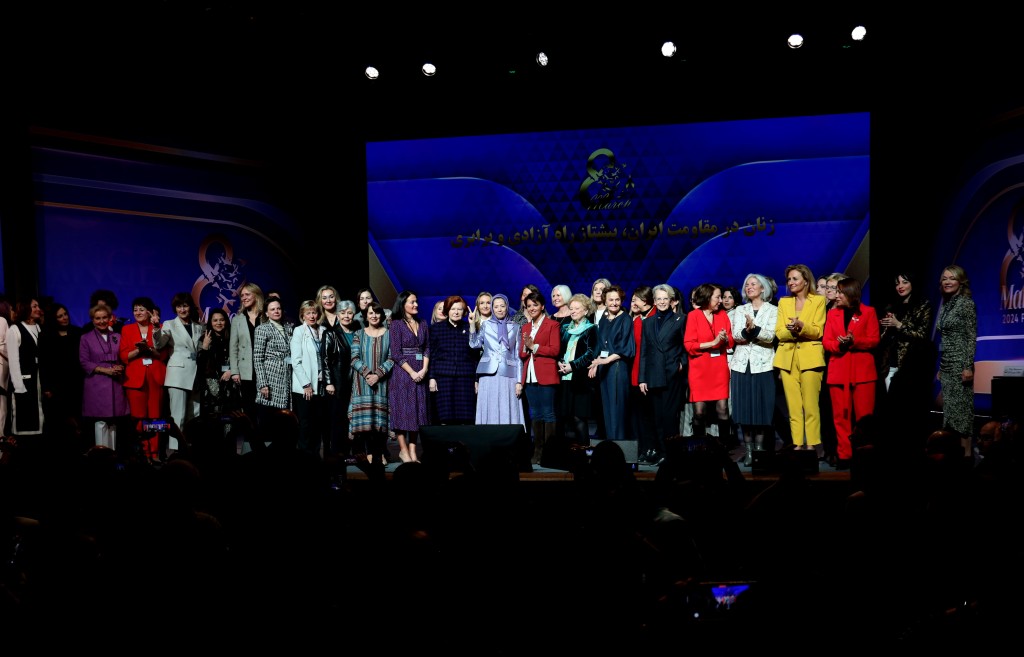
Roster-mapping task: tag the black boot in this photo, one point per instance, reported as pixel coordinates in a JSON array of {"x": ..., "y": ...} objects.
[
  {"x": 554, "y": 446},
  {"x": 725, "y": 435},
  {"x": 538, "y": 441}
]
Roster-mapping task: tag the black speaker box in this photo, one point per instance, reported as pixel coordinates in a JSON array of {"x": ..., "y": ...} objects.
[
  {"x": 762, "y": 461},
  {"x": 1007, "y": 391},
  {"x": 629, "y": 448},
  {"x": 460, "y": 448},
  {"x": 805, "y": 461}
]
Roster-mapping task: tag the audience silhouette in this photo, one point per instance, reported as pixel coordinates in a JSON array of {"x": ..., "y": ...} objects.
[{"x": 915, "y": 549}]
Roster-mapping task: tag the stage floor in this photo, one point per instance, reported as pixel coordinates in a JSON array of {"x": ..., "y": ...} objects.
[{"x": 643, "y": 472}]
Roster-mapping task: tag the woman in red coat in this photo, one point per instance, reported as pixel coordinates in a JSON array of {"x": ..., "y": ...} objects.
[
  {"x": 539, "y": 348},
  {"x": 145, "y": 362},
  {"x": 851, "y": 333},
  {"x": 707, "y": 339}
]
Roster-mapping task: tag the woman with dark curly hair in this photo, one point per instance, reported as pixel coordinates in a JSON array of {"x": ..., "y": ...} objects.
[
  {"x": 218, "y": 393},
  {"x": 23, "y": 354},
  {"x": 60, "y": 372}
]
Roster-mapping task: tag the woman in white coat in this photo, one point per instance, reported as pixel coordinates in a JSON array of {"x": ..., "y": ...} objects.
[
  {"x": 309, "y": 386},
  {"x": 5, "y": 368},
  {"x": 183, "y": 337},
  {"x": 753, "y": 380}
]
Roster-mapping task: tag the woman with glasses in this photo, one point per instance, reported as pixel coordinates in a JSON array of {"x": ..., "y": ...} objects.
[{"x": 827, "y": 451}]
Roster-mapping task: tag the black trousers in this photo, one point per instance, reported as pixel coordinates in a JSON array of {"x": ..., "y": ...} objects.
[{"x": 666, "y": 403}]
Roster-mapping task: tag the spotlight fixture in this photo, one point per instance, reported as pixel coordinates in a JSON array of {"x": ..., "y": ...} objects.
[
  {"x": 429, "y": 69},
  {"x": 859, "y": 33},
  {"x": 795, "y": 41},
  {"x": 542, "y": 58},
  {"x": 372, "y": 73},
  {"x": 668, "y": 49}
]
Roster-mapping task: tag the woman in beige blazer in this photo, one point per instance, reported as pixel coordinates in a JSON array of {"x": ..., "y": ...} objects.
[{"x": 243, "y": 330}]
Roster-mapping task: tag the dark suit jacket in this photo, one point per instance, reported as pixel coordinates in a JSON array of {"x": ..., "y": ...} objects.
[{"x": 662, "y": 354}]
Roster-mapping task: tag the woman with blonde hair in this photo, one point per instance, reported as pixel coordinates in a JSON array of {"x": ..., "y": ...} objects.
[
  {"x": 310, "y": 383},
  {"x": 240, "y": 345},
  {"x": 481, "y": 311},
  {"x": 337, "y": 317},
  {"x": 800, "y": 356},
  {"x": 958, "y": 328},
  {"x": 560, "y": 295},
  {"x": 579, "y": 349}
]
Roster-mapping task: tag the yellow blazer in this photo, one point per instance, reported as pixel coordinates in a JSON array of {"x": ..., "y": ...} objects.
[{"x": 805, "y": 348}]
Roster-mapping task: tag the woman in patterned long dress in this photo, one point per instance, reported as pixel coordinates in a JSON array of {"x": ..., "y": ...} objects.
[
  {"x": 368, "y": 412},
  {"x": 499, "y": 391},
  {"x": 408, "y": 394},
  {"x": 958, "y": 328}
]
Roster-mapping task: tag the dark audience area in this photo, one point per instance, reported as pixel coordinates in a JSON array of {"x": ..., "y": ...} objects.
[{"x": 916, "y": 550}]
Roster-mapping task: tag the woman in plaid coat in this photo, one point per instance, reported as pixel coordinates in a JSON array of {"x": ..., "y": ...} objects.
[
  {"x": 453, "y": 365},
  {"x": 271, "y": 360}
]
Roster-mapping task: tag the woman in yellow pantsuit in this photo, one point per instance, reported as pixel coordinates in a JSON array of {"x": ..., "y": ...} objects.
[{"x": 800, "y": 358}]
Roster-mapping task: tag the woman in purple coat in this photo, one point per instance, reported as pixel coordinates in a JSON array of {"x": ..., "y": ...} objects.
[
  {"x": 407, "y": 394},
  {"x": 104, "y": 402}
]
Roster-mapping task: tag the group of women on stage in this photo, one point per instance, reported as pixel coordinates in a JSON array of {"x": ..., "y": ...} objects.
[{"x": 355, "y": 373}]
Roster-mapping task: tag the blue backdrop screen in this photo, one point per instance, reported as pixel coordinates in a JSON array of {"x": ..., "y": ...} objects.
[{"x": 679, "y": 204}]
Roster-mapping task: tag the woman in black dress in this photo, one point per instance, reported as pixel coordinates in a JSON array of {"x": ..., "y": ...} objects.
[
  {"x": 218, "y": 393},
  {"x": 60, "y": 375}
]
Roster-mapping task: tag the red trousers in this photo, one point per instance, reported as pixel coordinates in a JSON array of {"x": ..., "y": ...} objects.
[
  {"x": 147, "y": 402},
  {"x": 850, "y": 402}
]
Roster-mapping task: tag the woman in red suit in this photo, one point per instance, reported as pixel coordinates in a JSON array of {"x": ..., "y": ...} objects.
[
  {"x": 539, "y": 348},
  {"x": 851, "y": 333},
  {"x": 707, "y": 339},
  {"x": 145, "y": 367}
]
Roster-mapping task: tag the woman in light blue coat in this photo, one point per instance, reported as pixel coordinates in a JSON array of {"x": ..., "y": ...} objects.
[{"x": 499, "y": 391}]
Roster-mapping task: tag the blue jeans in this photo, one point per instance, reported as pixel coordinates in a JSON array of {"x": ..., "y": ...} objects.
[{"x": 542, "y": 402}]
